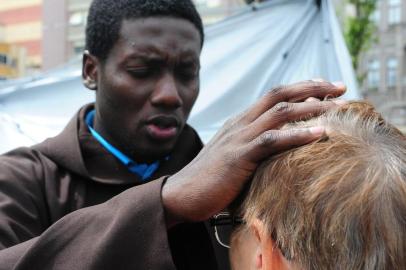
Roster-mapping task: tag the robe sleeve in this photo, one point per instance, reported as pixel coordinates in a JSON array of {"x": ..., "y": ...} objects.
[{"x": 126, "y": 232}]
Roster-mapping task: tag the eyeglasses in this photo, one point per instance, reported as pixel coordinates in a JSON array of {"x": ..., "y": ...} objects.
[{"x": 224, "y": 224}]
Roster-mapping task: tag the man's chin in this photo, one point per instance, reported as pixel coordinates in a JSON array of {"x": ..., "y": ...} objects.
[
  {"x": 152, "y": 148},
  {"x": 149, "y": 153}
]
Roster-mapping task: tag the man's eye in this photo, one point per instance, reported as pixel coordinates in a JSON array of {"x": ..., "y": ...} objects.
[
  {"x": 188, "y": 74},
  {"x": 139, "y": 72}
]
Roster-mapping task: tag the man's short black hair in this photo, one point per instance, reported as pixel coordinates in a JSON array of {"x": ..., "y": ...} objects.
[{"x": 106, "y": 17}]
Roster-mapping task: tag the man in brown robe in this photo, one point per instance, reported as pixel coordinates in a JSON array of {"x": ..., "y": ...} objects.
[{"x": 86, "y": 200}]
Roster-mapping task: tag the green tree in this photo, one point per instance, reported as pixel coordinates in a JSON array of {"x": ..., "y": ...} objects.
[{"x": 360, "y": 29}]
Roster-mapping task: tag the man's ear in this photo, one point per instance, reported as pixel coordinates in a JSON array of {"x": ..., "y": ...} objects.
[
  {"x": 268, "y": 255},
  {"x": 89, "y": 70},
  {"x": 257, "y": 230}
]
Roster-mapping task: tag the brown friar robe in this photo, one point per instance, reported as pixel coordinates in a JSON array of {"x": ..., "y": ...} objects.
[{"x": 67, "y": 203}]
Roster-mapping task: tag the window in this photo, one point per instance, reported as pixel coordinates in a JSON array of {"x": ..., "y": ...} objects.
[
  {"x": 373, "y": 74},
  {"x": 3, "y": 59},
  {"x": 391, "y": 69},
  {"x": 12, "y": 62},
  {"x": 78, "y": 49},
  {"x": 77, "y": 18},
  {"x": 376, "y": 15},
  {"x": 395, "y": 12}
]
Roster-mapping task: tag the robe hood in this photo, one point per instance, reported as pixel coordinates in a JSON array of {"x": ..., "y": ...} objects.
[{"x": 76, "y": 150}]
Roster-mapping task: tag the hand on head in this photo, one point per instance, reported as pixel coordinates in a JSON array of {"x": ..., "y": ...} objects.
[{"x": 218, "y": 174}]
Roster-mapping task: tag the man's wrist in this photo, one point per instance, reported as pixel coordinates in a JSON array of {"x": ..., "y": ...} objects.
[{"x": 167, "y": 197}]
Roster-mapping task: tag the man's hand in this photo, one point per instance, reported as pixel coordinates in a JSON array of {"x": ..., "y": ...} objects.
[{"x": 217, "y": 175}]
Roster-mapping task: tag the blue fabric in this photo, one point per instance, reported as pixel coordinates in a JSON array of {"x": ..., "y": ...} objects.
[{"x": 145, "y": 171}]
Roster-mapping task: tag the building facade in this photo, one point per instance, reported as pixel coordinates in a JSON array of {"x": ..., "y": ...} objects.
[
  {"x": 64, "y": 31},
  {"x": 383, "y": 66},
  {"x": 20, "y": 37},
  {"x": 54, "y": 31},
  {"x": 77, "y": 16}
]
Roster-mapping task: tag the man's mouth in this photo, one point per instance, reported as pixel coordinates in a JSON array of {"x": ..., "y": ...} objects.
[{"x": 163, "y": 127}]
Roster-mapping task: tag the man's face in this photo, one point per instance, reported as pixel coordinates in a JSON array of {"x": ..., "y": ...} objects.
[{"x": 147, "y": 86}]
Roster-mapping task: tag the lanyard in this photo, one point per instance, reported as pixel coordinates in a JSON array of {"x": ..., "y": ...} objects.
[{"x": 145, "y": 171}]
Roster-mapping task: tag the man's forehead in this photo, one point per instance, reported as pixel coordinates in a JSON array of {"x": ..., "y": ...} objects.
[
  {"x": 155, "y": 27},
  {"x": 152, "y": 38},
  {"x": 150, "y": 51}
]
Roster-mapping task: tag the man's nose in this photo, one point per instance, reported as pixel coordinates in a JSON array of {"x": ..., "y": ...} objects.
[{"x": 166, "y": 93}]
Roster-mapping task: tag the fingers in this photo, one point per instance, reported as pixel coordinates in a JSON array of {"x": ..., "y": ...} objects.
[
  {"x": 294, "y": 93},
  {"x": 275, "y": 141},
  {"x": 312, "y": 99},
  {"x": 285, "y": 112},
  {"x": 319, "y": 90}
]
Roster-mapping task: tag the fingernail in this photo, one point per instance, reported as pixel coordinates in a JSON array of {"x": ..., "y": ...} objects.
[
  {"x": 317, "y": 131},
  {"x": 340, "y": 102},
  {"x": 312, "y": 99},
  {"x": 340, "y": 85}
]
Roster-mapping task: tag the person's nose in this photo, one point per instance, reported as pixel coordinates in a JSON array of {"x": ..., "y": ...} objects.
[{"x": 166, "y": 93}]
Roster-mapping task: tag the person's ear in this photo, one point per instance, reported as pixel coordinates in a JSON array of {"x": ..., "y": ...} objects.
[
  {"x": 268, "y": 256},
  {"x": 257, "y": 227},
  {"x": 89, "y": 70}
]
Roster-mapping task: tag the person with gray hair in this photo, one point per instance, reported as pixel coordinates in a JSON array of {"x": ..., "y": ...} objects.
[{"x": 338, "y": 203}]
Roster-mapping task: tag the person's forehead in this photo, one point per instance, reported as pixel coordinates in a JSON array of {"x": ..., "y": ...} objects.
[{"x": 144, "y": 30}]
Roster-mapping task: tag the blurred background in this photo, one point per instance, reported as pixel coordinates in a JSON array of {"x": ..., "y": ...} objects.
[{"x": 40, "y": 35}]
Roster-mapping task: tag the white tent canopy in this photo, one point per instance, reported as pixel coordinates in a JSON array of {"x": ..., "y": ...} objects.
[{"x": 278, "y": 42}]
